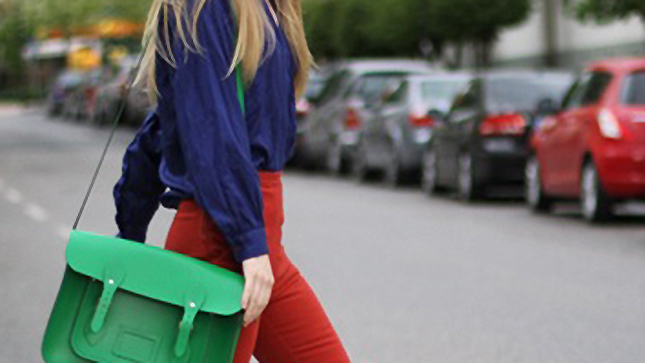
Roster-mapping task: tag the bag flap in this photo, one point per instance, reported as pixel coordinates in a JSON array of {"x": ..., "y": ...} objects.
[{"x": 154, "y": 272}]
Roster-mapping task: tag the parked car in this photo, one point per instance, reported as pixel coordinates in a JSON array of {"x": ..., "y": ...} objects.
[
  {"x": 396, "y": 131},
  {"x": 304, "y": 106},
  {"x": 81, "y": 99},
  {"x": 111, "y": 95},
  {"x": 65, "y": 83},
  {"x": 484, "y": 139},
  {"x": 330, "y": 132},
  {"x": 593, "y": 147}
]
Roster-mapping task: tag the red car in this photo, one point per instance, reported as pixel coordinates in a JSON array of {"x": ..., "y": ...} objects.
[{"x": 593, "y": 148}]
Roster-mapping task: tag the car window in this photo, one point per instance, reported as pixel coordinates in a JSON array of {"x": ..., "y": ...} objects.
[
  {"x": 332, "y": 87},
  {"x": 468, "y": 98},
  {"x": 399, "y": 95},
  {"x": 524, "y": 91},
  {"x": 314, "y": 88},
  {"x": 574, "y": 93},
  {"x": 372, "y": 85},
  {"x": 595, "y": 88},
  {"x": 633, "y": 89},
  {"x": 439, "y": 93}
]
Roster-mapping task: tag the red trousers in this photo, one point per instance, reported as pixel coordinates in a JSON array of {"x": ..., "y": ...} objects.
[{"x": 294, "y": 326}]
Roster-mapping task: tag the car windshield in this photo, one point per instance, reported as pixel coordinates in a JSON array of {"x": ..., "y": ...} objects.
[
  {"x": 440, "y": 93},
  {"x": 634, "y": 89},
  {"x": 374, "y": 83},
  {"x": 524, "y": 93}
]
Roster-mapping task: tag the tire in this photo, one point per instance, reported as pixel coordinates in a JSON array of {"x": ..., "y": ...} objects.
[
  {"x": 429, "y": 172},
  {"x": 596, "y": 206},
  {"x": 334, "y": 158},
  {"x": 467, "y": 188},
  {"x": 533, "y": 192},
  {"x": 360, "y": 169},
  {"x": 392, "y": 175}
]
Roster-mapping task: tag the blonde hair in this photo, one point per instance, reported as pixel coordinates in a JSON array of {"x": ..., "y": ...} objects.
[{"x": 253, "y": 31}]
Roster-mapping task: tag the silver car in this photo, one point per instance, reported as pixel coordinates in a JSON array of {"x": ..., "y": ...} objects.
[
  {"x": 396, "y": 131},
  {"x": 330, "y": 132}
]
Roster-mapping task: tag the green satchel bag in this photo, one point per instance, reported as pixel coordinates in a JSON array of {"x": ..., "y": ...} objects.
[{"x": 123, "y": 301}]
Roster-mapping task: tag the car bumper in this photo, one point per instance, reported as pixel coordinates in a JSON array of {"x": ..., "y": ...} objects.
[
  {"x": 414, "y": 143},
  {"x": 621, "y": 167},
  {"x": 501, "y": 160},
  {"x": 501, "y": 169}
]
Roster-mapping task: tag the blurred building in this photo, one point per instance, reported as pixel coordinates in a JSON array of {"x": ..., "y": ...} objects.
[
  {"x": 86, "y": 48},
  {"x": 551, "y": 37}
]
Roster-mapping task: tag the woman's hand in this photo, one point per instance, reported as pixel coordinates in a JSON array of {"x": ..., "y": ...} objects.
[{"x": 257, "y": 288}]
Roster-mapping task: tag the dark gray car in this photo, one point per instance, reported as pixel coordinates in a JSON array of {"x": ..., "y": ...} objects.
[
  {"x": 484, "y": 139},
  {"x": 329, "y": 134},
  {"x": 397, "y": 130}
]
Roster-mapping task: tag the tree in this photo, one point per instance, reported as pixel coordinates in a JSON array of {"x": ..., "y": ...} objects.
[
  {"x": 606, "y": 10},
  {"x": 478, "y": 21},
  {"x": 14, "y": 34}
]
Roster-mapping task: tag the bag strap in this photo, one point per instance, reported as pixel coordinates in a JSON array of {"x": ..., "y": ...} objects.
[{"x": 131, "y": 79}]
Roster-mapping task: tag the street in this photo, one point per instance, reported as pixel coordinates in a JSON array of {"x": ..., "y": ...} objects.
[{"x": 404, "y": 277}]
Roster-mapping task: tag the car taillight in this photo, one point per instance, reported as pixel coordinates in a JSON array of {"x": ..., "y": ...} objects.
[
  {"x": 608, "y": 124},
  {"x": 352, "y": 120},
  {"x": 503, "y": 125},
  {"x": 302, "y": 108},
  {"x": 421, "y": 120}
]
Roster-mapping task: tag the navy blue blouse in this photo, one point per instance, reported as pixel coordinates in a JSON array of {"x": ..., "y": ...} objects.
[{"x": 199, "y": 144}]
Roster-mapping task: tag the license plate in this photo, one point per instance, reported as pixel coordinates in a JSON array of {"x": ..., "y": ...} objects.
[
  {"x": 499, "y": 145},
  {"x": 422, "y": 135}
]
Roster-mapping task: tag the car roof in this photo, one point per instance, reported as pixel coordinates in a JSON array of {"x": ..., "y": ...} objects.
[
  {"x": 619, "y": 64},
  {"x": 441, "y": 76},
  {"x": 364, "y": 66},
  {"x": 523, "y": 73}
]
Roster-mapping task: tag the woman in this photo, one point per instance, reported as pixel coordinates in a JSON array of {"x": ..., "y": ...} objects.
[{"x": 219, "y": 162}]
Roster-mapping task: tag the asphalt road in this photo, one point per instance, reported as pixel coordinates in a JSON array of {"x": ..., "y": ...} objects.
[{"x": 404, "y": 278}]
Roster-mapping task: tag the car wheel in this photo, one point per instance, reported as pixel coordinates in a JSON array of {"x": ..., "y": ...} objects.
[
  {"x": 467, "y": 189},
  {"x": 533, "y": 192},
  {"x": 392, "y": 176},
  {"x": 429, "y": 171},
  {"x": 360, "y": 167},
  {"x": 594, "y": 203},
  {"x": 334, "y": 158}
]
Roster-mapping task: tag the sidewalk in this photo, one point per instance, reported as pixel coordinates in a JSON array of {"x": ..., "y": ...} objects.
[{"x": 16, "y": 109}]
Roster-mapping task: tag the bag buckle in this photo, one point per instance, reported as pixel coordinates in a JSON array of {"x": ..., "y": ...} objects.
[
  {"x": 193, "y": 302},
  {"x": 113, "y": 279}
]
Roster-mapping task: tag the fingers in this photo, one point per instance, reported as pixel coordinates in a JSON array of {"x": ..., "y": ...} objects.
[
  {"x": 256, "y": 297},
  {"x": 258, "y": 286}
]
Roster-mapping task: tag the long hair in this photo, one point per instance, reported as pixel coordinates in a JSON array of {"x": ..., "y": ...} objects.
[{"x": 253, "y": 31}]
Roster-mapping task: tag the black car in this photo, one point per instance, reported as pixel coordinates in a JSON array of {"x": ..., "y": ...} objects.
[
  {"x": 396, "y": 131},
  {"x": 483, "y": 140},
  {"x": 329, "y": 133}
]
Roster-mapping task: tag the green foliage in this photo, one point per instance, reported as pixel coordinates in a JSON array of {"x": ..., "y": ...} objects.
[
  {"x": 398, "y": 27},
  {"x": 14, "y": 34},
  {"x": 603, "y": 11}
]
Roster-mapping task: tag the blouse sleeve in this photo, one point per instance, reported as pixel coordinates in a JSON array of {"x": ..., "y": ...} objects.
[
  {"x": 137, "y": 192},
  {"x": 214, "y": 136}
]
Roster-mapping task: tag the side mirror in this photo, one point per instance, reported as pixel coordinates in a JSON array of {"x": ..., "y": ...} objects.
[{"x": 547, "y": 106}]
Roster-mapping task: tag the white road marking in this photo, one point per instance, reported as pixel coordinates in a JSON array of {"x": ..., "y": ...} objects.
[
  {"x": 13, "y": 196},
  {"x": 35, "y": 212}
]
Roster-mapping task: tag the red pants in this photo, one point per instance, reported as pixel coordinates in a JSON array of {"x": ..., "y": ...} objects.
[{"x": 294, "y": 326}]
